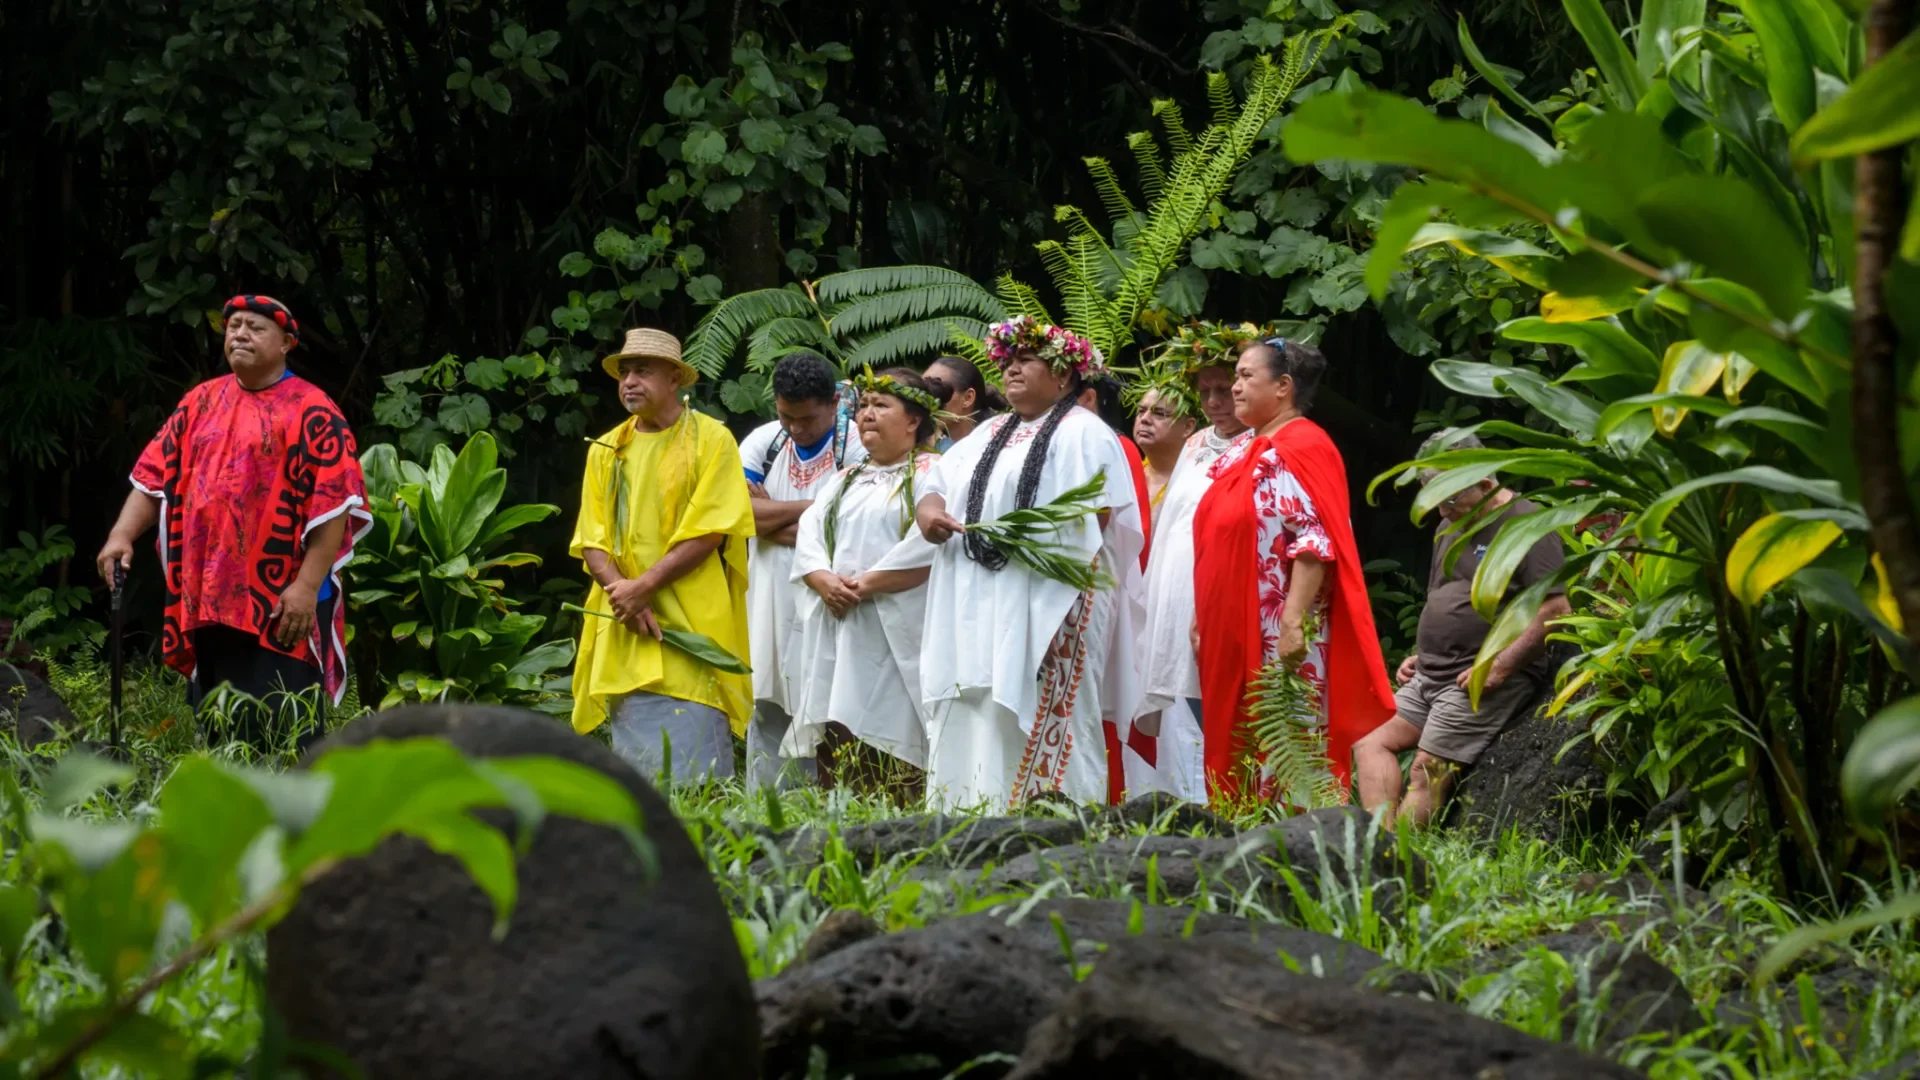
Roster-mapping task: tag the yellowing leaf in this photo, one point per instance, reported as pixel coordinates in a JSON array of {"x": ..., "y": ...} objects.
[
  {"x": 1688, "y": 368},
  {"x": 1557, "y": 308},
  {"x": 1884, "y": 604},
  {"x": 1773, "y": 549}
]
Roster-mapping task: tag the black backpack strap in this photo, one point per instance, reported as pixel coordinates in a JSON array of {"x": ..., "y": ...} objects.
[{"x": 780, "y": 440}]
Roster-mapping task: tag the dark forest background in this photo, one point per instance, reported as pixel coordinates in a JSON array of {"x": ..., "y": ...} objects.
[{"x": 487, "y": 183}]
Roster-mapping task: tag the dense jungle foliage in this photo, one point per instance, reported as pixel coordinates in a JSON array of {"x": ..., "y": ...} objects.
[{"x": 1662, "y": 258}]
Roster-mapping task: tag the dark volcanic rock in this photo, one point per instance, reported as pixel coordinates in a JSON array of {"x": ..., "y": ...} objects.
[
  {"x": 1164, "y": 813},
  {"x": 1236, "y": 866},
  {"x": 953, "y": 840},
  {"x": 1634, "y": 995},
  {"x": 1523, "y": 780},
  {"x": 31, "y": 707},
  {"x": 837, "y": 931},
  {"x": 1217, "y": 1009},
  {"x": 390, "y": 959},
  {"x": 971, "y": 986}
]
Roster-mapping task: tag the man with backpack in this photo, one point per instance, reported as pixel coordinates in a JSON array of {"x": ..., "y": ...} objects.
[{"x": 788, "y": 461}]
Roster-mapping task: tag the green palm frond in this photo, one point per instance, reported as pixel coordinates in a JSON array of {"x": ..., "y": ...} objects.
[
  {"x": 772, "y": 340},
  {"x": 913, "y": 343},
  {"x": 970, "y": 348},
  {"x": 882, "y": 310},
  {"x": 1021, "y": 299},
  {"x": 1175, "y": 123},
  {"x": 1112, "y": 196},
  {"x": 720, "y": 331},
  {"x": 851, "y": 285}
]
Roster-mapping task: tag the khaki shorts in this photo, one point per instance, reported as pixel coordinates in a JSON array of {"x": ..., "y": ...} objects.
[{"x": 1449, "y": 726}]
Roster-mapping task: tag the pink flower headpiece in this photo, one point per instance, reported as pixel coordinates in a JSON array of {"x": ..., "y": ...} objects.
[{"x": 1061, "y": 348}]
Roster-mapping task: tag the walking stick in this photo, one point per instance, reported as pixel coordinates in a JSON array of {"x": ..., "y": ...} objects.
[{"x": 114, "y": 655}]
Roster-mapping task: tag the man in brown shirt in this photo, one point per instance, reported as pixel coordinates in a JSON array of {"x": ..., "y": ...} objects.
[{"x": 1432, "y": 709}]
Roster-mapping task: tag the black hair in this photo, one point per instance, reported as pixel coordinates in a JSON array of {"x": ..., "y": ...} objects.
[
  {"x": 924, "y": 424},
  {"x": 986, "y": 400},
  {"x": 1304, "y": 363},
  {"x": 979, "y": 548},
  {"x": 803, "y": 376},
  {"x": 1106, "y": 395}
]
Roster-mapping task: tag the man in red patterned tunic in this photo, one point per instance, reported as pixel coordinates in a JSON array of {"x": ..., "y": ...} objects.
[{"x": 258, "y": 493}]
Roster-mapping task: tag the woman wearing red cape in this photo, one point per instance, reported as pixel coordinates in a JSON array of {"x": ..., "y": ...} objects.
[{"x": 1274, "y": 556}]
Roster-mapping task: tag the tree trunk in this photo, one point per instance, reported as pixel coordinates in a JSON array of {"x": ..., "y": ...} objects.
[{"x": 1878, "y": 207}]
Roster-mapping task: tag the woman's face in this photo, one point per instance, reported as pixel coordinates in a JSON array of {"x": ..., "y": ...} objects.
[
  {"x": 1031, "y": 384},
  {"x": 1258, "y": 397},
  {"x": 942, "y": 379},
  {"x": 887, "y": 429}
]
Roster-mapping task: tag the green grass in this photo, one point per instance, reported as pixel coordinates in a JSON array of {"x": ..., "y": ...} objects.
[{"x": 1468, "y": 933}]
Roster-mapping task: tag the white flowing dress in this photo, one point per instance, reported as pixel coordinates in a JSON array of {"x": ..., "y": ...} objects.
[
  {"x": 770, "y": 589},
  {"x": 1170, "y": 676},
  {"x": 1017, "y": 671},
  {"x": 863, "y": 670}
]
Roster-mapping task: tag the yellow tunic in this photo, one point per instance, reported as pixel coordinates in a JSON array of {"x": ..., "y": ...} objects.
[{"x": 643, "y": 493}]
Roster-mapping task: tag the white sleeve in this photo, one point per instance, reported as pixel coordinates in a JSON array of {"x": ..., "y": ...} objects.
[
  {"x": 810, "y": 541},
  {"x": 753, "y": 448}
]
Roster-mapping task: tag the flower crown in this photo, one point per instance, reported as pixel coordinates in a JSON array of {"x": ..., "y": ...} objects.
[
  {"x": 1061, "y": 348},
  {"x": 868, "y": 383}
]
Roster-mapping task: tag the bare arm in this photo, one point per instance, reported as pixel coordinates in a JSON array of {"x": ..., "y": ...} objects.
[
  {"x": 774, "y": 519},
  {"x": 1308, "y": 578},
  {"x": 137, "y": 515},
  {"x": 875, "y": 582},
  {"x": 935, "y": 523}
]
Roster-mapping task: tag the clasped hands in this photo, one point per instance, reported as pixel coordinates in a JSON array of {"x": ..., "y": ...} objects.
[
  {"x": 840, "y": 593},
  {"x": 632, "y": 603}
]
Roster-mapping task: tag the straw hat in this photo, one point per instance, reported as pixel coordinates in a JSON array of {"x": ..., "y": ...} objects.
[{"x": 652, "y": 344}]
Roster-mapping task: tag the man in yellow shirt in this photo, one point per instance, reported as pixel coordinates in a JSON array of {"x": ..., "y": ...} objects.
[{"x": 663, "y": 530}]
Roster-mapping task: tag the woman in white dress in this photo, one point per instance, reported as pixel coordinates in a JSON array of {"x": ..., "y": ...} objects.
[
  {"x": 858, "y": 625},
  {"x": 1018, "y": 668}
]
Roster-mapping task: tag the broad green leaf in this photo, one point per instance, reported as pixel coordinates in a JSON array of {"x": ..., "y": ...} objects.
[
  {"x": 1787, "y": 54},
  {"x": 1556, "y": 308},
  {"x": 1601, "y": 343},
  {"x": 474, "y": 489},
  {"x": 1572, "y": 410},
  {"x": 1497, "y": 121},
  {"x": 1825, "y": 492},
  {"x": 1883, "y": 764},
  {"x": 1724, "y": 224},
  {"x": 1691, "y": 369},
  {"x": 113, "y": 914},
  {"x": 139, "y": 1043},
  {"x": 1621, "y": 411},
  {"x": 1513, "y": 621},
  {"x": 1371, "y": 126},
  {"x": 1412, "y": 204},
  {"x": 1724, "y": 332},
  {"x": 19, "y": 910},
  {"x": 1610, "y": 54},
  {"x": 78, "y": 777},
  {"x": 1527, "y": 263},
  {"x": 1493, "y": 75},
  {"x": 545, "y": 658},
  {"x": 1510, "y": 547},
  {"x": 704, "y": 649},
  {"x": 89, "y": 844},
  {"x": 1662, "y": 22},
  {"x": 1880, "y": 109},
  {"x": 295, "y": 799},
  {"x": 376, "y": 787},
  {"x": 511, "y": 519},
  {"x": 1773, "y": 549},
  {"x": 208, "y": 817}
]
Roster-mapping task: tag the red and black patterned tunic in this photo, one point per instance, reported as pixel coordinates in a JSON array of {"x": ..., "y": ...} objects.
[{"x": 243, "y": 477}]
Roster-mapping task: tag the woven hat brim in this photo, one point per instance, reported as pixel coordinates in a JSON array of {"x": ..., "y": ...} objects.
[{"x": 688, "y": 373}]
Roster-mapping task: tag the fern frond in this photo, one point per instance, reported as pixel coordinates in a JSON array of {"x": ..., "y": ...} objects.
[
  {"x": 972, "y": 349},
  {"x": 1079, "y": 294},
  {"x": 912, "y": 344},
  {"x": 883, "y": 311},
  {"x": 1021, "y": 299},
  {"x": 1175, "y": 123},
  {"x": 1220, "y": 97},
  {"x": 1287, "y": 731},
  {"x": 778, "y": 337},
  {"x": 1113, "y": 197},
  {"x": 711, "y": 345},
  {"x": 835, "y": 289},
  {"x": 1146, "y": 155}
]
